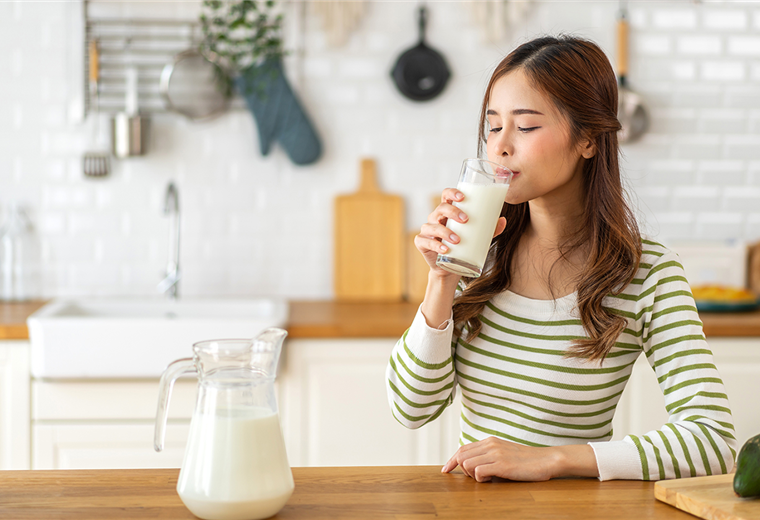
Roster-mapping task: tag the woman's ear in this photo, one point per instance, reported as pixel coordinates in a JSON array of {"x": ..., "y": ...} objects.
[{"x": 588, "y": 148}]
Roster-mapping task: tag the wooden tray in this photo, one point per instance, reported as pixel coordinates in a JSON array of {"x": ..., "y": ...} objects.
[{"x": 711, "y": 498}]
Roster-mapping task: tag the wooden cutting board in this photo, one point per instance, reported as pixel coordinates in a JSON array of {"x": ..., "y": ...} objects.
[
  {"x": 369, "y": 242},
  {"x": 711, "y": 498},
  {"x": 417, "y": 268}
]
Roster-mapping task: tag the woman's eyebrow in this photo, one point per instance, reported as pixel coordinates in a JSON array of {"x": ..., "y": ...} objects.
[{"x": 515, "y": 112}]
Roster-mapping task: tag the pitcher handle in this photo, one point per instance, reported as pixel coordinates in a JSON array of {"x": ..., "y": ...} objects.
[{"x": 170, "y": 375}]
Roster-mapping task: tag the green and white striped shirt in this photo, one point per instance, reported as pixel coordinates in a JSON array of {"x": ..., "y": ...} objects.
[{"x": 516, "y": 383}]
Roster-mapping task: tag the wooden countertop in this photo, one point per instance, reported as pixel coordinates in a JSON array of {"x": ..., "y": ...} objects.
[
  {"x": 13, "y": 318},
  {"x": 398, "y": 493},
  {"x": 332, "y": 319}
]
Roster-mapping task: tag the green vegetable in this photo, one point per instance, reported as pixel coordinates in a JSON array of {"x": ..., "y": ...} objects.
[{"x": 747, "y": 477}]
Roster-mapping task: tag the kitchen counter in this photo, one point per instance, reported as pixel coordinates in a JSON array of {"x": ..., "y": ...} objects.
[
  {"x": 332, "y": 319},
  {"x": 333, "y": 493},
  {"x": 13, "y": 318}
]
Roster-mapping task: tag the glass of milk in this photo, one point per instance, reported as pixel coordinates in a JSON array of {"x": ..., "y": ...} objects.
[
  {"x": 484, "y": 185},
  {"x": 235, "y": 465}
]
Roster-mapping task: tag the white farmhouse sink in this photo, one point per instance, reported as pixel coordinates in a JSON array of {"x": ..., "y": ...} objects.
[{"x": 137, "y": 337}]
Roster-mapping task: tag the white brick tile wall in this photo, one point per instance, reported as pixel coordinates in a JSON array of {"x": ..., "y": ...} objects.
[
  {"x": 696, "y": 198},
  {"x": 723, "y": 71},
  {"x": 741, "y": 198},
  {"x": 654, "y": 45},
  {"x": 744, "y": 45},
  {"x": 683, "y": 19},
  {"x": 259, "y": 225},
  {"x": 704, "y": 45},
  {"x": 721, "y": 173},
  {"x": 719, "y": 226},
  {"x": 724, "y": 19}
]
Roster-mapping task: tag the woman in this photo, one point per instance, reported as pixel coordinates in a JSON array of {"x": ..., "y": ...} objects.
[{"x": 542, "y": 344}]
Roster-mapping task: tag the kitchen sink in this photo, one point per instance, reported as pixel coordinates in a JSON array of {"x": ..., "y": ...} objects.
[{"x": 137, "y": 337}]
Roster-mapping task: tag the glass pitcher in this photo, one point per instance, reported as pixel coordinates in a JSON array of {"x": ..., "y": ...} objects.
[{"x": 235, "y": 465}]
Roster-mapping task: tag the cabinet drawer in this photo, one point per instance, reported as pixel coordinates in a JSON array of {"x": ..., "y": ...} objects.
[
  {"x": 59, "y": 400},
  {"x": 106, "y": 446}
]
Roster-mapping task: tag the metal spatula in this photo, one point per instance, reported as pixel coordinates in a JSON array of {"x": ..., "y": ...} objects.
[{"x": 95, "y": 163}]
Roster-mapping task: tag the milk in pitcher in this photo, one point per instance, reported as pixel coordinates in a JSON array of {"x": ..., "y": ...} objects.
[{"x": 235, "y": 467}]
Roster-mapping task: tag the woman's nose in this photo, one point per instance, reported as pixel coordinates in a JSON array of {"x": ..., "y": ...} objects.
[{"x": 503, "y": 145}]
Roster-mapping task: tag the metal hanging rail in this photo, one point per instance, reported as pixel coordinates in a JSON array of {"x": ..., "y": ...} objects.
[{"x": 145, "y": 44}]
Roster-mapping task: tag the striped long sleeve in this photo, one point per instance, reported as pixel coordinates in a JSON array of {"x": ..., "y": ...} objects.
[
  {"x": 698, "y": 438},
  {"x": 420, "y": 373},
  {"x": 518, "y": 384}
]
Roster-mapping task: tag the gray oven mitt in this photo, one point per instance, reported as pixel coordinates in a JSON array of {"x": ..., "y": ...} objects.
[{"x": 278, "y": 113}]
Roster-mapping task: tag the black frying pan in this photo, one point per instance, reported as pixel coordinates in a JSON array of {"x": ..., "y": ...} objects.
[{"x": 421, "y": 73}]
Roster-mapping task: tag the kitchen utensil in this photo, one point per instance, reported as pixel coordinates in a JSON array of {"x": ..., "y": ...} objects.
[
  {"x": 711, "y": 498},
  {"x": 753, "y": 268},
  {"x": 339, "y": 18},
  {"x": 369, "y": 242},
  {"x": 632, "y": 114},
  {"x": 235, "y": 465},
  {"x": 19, "y": 256},
  {"x": 95, "y": 163},
  {"x": 421, "y": 73},
  {"x": 496, "y": 18},
  {"x": 485, "y": 186},
  {"x": 279, "y": 114},
  {"x": 190, "y": 86},
  {"x": 129, "y": 130}
]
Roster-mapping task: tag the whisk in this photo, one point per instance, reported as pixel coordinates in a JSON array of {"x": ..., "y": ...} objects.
[{"x": 95, "y": 163}]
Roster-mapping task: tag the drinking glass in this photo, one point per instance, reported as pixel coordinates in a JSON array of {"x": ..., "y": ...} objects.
[{"x": 484, "y": 185}]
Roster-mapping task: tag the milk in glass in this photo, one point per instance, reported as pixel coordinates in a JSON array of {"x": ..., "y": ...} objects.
[{"x": 482, "y": 204}]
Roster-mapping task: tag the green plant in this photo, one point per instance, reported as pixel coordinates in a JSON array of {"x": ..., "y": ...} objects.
[{"x": 238, "y": 34}]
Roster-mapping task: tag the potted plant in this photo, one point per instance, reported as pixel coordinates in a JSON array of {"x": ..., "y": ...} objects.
[{"x": 243, "y": 39}]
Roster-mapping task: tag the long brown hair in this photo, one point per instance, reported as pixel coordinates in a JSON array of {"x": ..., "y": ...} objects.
[{"x": 577, "y": 76}]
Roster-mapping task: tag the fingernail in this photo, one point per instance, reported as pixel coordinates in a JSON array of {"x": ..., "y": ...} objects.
[
  {"x": 463, "y": 217},
  {"x": 453, "y": 238},
  {"x": 444, "y": 248},
  {"x": 459, "y": 196}
]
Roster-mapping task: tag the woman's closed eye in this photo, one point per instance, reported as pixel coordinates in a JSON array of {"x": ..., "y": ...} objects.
[
  {"x": 526, "y": 130},
  {"x": 495, "y": 130}
]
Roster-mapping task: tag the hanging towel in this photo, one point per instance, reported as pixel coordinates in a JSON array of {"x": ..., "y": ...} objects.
[{"x": 278, "y": 113}]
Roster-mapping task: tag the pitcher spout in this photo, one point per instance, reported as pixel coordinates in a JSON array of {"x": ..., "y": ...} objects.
[{"x": 266, "y": 350}]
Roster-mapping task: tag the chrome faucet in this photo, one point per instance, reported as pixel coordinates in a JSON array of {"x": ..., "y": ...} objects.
[{"x": 170, "y": 284}]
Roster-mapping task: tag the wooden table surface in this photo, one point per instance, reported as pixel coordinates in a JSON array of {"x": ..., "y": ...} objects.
[
  {"x": 334, "y": 319},
  {"x": 398, "y": 493}
]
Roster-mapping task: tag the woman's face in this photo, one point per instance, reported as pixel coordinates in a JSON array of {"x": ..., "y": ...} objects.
[{"x": 528, "y": 135}]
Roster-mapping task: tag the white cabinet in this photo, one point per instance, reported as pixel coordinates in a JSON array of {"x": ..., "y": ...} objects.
[
  {"x": 642, "y": 406},
  {"x": 106, "y": 424},
  {"x": 333, "y": 409},
  {"x": 14, "y": 405},
  {"x": 335, "y": 412}
]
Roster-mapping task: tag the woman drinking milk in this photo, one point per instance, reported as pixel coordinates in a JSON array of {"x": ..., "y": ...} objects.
[{"x": 541, "y": 345}]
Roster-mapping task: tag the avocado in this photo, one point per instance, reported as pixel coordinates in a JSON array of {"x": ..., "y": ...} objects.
[{"x": 747, "y": 477}]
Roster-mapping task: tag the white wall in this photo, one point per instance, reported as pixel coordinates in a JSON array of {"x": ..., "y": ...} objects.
[{"x": 259, "y": 225}]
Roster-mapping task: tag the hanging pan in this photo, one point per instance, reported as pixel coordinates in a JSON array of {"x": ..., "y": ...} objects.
[
  {"x": 421, "y": 73},
  {"x": 632, "y": 114}
]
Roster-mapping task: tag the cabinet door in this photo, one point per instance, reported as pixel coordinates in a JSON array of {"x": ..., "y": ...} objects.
[
  {"x": 14, "y": 405},
  {"x": 738, "y": 361},
  {"x": 336, "y": 412},
  {"x": 106, "y": 446}
]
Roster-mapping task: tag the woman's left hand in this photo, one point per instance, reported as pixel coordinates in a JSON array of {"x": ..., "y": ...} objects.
[{"x": 494, "y": 457}]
